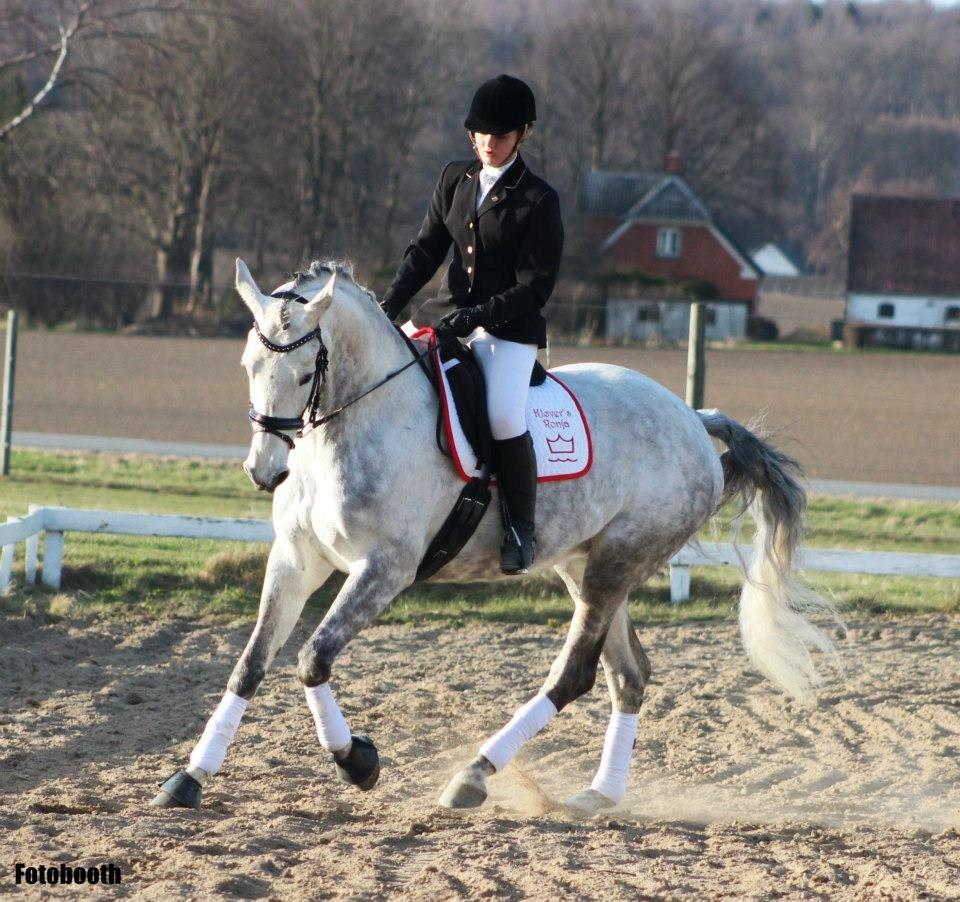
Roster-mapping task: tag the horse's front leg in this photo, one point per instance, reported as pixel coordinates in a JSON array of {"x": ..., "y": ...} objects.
[
  {"x": 289, "y": 581},
  {"x": 372, "y": 584}
]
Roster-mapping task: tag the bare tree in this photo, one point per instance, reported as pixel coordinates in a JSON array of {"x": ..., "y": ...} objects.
[
  {"x": 141, "y": 136},
  {"x": 51, "y": 31},
  {"x": 374, "y": 79},
  {"x": 422, "y": 65},
  {"x": 156, "y": 142},
  {"x": 587, "y": 69},
  {"x": 692, "y": 95}
]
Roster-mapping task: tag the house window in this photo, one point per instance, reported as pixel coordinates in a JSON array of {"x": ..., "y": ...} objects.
[
  {"x": 885, "y": 311},
  {"x": 668, "y": 242},
  {"x": 648, "y": 313},
  {"x": 952, "y": 314},
  {"x": 711, "y": 316}
]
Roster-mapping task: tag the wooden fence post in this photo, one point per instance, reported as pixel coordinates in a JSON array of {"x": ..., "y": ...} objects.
[
  {"x": 696, "y": 359},
  {"x": 6, "y": 414}
]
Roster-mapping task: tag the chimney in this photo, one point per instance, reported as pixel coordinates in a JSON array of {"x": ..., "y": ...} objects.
[{"x": 673, "y": 164}]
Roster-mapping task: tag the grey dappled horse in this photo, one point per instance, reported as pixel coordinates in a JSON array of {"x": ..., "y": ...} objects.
[{"x": 365, "y": 492}]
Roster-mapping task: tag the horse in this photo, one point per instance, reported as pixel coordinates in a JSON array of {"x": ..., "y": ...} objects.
[{"x": 344, "y": 438}]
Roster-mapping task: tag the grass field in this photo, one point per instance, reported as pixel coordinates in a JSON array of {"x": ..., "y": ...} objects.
[{"x": 123, "y": 575}]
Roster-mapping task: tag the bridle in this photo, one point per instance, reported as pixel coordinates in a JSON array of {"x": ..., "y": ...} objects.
[
  {"x": 309, "y": 416},
  {"x": 279, "y": 426}
]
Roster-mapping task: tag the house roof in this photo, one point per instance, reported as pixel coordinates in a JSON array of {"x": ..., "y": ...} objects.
[
  {"x": 775, "y": 260},
  {"x": 670, "y": 198},
  {"x": 651, "y": 196},
  {"x": 605, "y": 193},
  {"x": 638, "y": 195},
  {"x": 904, "y": 245}
]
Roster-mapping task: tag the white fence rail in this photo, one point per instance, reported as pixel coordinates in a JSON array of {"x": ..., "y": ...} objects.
[
  {"x": 54, "y": 522},
  {"x": 830, "y": 560}
]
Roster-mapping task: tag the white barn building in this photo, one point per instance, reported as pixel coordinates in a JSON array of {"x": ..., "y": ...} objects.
[{"x": 903, "y": 278}]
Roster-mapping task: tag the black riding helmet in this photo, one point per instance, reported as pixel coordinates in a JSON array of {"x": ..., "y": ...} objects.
[{"x": 501, "y": 105}]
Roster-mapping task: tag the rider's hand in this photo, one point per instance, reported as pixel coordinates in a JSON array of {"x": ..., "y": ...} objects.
[
  {"x": 460, "y": 323},
  {"x": 389, "y": 311},
  {"x": 392, "y": 305}
]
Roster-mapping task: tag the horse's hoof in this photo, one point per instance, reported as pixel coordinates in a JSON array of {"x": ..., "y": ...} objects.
[
  {"x": 467, "y": 789},
  {"x": 586, "y": 804},
  {"x": 361, "y": 767},
  {"x": 179, "y": 791},
  {"x": 163, "y": 799}
]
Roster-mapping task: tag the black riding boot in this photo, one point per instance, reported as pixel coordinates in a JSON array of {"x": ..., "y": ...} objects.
[{"x": 517, "y": 477}]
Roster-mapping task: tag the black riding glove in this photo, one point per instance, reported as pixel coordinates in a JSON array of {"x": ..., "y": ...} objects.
[
  {"x": 460, "y": 323},
  {"x": 389, "y": 310}
]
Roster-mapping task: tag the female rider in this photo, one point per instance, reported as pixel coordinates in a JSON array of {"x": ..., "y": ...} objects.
[{"x": 504, "y": 224}]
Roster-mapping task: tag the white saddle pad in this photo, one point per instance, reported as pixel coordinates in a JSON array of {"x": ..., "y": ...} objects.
[{"x": 561, "y": 434}]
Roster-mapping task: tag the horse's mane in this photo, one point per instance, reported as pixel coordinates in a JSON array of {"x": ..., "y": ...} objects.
[{"x": 317, "y": 268}]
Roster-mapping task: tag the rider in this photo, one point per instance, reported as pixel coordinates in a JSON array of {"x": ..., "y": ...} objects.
[{"x": 507, "y": 235}]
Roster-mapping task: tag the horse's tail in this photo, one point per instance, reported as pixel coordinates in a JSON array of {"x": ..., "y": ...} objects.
[{"x": 773, "y": 603}]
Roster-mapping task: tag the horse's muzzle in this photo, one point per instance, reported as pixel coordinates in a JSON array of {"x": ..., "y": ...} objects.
[{"x": 265, "y": 486}]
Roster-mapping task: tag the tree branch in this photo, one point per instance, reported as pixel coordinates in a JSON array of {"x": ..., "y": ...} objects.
[{"x": 51, "y": 82}]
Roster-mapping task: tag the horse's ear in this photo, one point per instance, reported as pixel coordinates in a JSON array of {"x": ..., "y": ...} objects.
[
  {"x": 320, "y": 301},
  {"x": 247, "y": 289}
]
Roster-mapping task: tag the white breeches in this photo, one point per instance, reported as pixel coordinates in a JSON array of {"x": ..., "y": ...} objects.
[{"x": 506, "y": 369}]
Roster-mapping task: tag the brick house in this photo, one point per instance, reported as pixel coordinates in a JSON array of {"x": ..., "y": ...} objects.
[
  {"x": 655, "y": 225},
  {"x": 903, "y": 272}
]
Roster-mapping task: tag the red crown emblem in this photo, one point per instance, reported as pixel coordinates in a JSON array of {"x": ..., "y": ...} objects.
[{"x": 560, "y": 445}]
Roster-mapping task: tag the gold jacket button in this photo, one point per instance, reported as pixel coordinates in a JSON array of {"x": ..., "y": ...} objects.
[
  {"x": 469, "y": 269},
  {"x": 469, "y": 248},
  {"x": 471, "y": 225}
]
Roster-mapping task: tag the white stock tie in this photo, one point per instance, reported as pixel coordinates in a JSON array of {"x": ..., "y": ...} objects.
[{"x": 487, "y": 181}]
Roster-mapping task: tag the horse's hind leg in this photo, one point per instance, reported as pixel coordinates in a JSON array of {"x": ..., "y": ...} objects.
[
  {"x": 627, "y": 670},
  {"x": 573, "y": 674},
  {"x": 287, "y": 584}
]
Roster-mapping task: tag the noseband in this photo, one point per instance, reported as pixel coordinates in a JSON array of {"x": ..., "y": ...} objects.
[{"x": 280, "y": 426}]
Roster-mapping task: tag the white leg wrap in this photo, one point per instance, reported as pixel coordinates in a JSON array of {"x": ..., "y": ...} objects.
[
  {"x": 529, "y": 720},
  {"x": 611, "y": 778},
  {"x": 209, "y": 752},
  {"x": 332, "y": 729}
]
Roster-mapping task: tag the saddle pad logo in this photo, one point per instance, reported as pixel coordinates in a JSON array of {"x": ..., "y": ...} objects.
[{"x": 561, "y": 445}]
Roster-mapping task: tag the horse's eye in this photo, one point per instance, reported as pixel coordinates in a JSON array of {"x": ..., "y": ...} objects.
[{"x": 305, "y": 379}]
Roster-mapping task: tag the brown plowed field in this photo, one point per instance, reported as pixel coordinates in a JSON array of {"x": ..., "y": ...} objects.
[
  {"x": 867, "y": 417},
  {"x": 734, "y": 792}
]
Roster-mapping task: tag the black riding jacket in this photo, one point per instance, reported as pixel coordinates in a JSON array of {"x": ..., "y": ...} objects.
[{"x": 505, "y": 255}]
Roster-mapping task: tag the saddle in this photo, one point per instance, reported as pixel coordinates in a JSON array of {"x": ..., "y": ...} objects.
[
  {"x": 556, "y": 422},
  {"x": 465, "y": 396}
]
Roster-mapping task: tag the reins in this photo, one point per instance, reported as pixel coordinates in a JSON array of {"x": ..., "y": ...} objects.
[{"x": 279, "y": 426}]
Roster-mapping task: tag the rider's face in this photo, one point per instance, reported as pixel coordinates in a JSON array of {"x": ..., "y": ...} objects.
[{"x": 495, "y": 150}]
